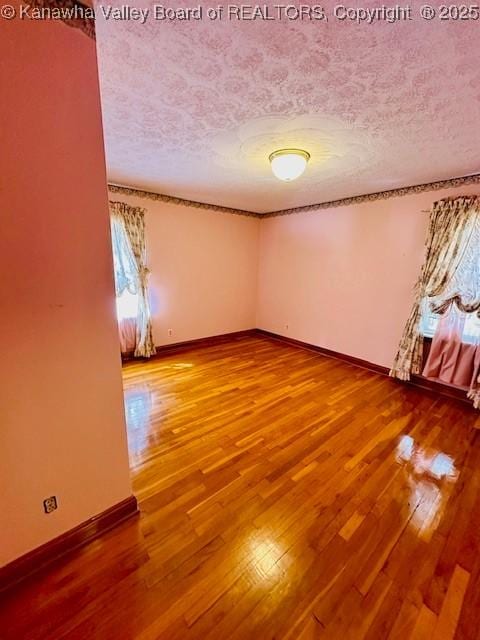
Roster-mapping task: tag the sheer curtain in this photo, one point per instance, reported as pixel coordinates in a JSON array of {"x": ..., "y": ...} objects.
[
  {"x": 449, "y": 287},
  {"x": 129, "y": 258}
]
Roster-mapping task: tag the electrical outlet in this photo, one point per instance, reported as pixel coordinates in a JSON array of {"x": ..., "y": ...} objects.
[
  {"x": 50, "y": 504},
  {"x": 170, "y": 332}
]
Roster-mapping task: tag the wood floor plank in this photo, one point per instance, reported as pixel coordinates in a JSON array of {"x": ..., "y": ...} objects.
[
  {"x": 425, "y": 625},
  {"x": 451, "y": 607},
  {"x": 283, "y": 495}
]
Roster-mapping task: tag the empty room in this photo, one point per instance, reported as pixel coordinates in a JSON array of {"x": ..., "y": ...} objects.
[{"x": 240, "y": 288}]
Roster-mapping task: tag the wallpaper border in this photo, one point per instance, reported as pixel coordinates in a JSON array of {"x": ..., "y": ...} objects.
[
  {"x": 369, "y": 197},
  {"x": 381, "y": 195},
  {"x": 150, "y": 195},
  {"x": 84, "y": 23}
]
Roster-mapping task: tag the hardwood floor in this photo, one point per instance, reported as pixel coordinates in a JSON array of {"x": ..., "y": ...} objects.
[{"x": 283, "y": 495}]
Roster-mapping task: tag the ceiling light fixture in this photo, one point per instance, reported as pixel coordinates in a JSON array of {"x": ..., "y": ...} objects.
[{"x": 289, "y": 164}]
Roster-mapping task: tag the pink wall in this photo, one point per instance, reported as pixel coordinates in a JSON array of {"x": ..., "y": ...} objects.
[
  {"x": 203, "y": 267},
  {"x": 62, "y": 422},
  {"x": 343, "y": 278}
]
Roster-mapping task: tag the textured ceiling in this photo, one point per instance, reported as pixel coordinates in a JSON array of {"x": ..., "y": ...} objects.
[{"x": 193, "y": 109}]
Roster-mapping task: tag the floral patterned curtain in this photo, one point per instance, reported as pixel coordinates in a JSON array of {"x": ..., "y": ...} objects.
[
  {"x": 131, "y": 273},
  {"x": 452, "y": 222}
]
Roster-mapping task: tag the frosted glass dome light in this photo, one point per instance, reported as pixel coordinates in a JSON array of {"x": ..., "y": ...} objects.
[{"x": 289, "y": 164}]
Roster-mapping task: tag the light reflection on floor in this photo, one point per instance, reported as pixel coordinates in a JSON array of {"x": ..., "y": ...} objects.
[
  {"x": 265, "y": 554},
  {"x": 138, "y": 410},
  {"x": 181, "y": 365},
  {"x": 145, "y": 407},
  {"x": 431, "y": 475}
]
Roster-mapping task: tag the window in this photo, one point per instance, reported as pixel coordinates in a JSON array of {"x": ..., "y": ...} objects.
[
  {"x": 126, "y": 272},
  {"x": 471, "y": 326},
  {"x": 460, "y": 298},
  {"x": 429, "y": 321},
  {"x": 127, "y": 305}
]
